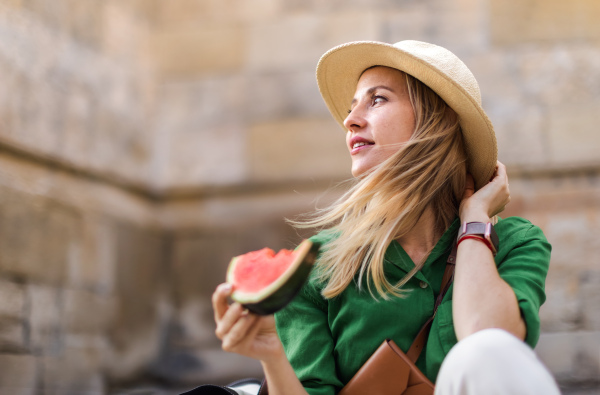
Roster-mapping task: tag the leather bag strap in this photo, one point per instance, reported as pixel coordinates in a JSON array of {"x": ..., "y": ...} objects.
[{"x": 418, "y": 344}]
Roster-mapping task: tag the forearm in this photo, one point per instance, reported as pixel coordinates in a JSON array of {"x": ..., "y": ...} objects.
[
  {"x": 481, "y": 299},
  {"x": 280, "y": 376}
]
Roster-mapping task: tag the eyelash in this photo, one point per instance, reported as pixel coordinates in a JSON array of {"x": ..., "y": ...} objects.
[
  {"x": 373, "y": 98},
  {"x": 376, "y": 97}
]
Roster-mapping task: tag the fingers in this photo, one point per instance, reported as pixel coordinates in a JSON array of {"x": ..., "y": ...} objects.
[
  {"x": 224, "y": 325},
  {"x": 469, "y": 187},
  {"x": 245, "y": 328},
  {"x": 219, "y": 300},
  {"x": 498, "y": 210}
]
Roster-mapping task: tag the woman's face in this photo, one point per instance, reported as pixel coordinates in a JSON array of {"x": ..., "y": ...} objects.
[{"x": 381, "y": 118}]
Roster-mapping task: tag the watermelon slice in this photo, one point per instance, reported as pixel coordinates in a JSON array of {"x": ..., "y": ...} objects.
[{"x": 265, "y": 282}]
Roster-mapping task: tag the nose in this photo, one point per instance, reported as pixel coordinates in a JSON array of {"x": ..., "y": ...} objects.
[{"x": 355, "y": 119}]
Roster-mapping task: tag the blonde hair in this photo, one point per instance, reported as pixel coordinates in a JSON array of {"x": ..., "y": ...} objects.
[{"x": 428, "y": 171}]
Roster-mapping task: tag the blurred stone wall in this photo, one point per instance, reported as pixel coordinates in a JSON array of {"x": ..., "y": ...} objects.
[{"x": 143, "y": 143}]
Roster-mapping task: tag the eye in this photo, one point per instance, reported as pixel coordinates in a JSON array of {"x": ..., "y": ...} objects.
[{"x": 378, "y": 99}]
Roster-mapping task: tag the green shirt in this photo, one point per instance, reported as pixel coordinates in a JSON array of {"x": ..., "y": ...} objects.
[{"x": 328, "y": 340}]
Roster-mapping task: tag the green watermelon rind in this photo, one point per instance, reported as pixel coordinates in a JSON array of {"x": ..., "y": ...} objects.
[{"x": 280, "y": 292}]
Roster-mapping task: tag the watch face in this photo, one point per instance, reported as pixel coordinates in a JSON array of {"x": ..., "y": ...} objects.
[{"x": 484, "y": 230}]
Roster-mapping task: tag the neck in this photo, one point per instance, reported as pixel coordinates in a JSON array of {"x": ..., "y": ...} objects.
[{"x": 422, "y": 238}]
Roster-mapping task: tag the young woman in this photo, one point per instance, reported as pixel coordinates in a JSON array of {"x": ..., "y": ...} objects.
[{"x": 424, "y": 156}]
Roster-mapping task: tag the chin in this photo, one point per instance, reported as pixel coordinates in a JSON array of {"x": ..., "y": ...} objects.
[{"x": 359, "y": 172}]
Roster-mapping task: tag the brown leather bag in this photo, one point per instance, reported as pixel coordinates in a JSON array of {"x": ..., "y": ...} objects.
[{"x": 389, "y": 371}]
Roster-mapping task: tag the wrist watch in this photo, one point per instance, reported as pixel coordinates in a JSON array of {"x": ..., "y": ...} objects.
[{"x": 484, "y": 230}]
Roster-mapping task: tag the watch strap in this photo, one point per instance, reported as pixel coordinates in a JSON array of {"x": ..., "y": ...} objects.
[{"x": 482, "y": 229}]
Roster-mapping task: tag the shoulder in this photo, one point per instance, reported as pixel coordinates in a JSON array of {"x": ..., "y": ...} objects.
[
  {"x": 324, "y": 237},
  {"x": 522, "y": 241},
  {"x": 517, "y": 230}
]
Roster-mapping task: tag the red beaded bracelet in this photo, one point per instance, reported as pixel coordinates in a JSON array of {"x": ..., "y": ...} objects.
[{"x": 475, "y": 237}]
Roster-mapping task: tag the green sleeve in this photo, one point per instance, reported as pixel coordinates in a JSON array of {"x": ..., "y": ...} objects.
[
  {"x": 524, "y": 268},
  {"x": 304, "y": 331}
]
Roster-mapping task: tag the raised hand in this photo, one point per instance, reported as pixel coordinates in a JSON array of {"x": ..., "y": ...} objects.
[{"x": 487, "y": 201}]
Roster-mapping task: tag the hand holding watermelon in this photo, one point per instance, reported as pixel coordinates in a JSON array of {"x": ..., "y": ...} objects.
[
  {"x": 259, "y": 282},
  {"x": 256, "y": 337},
  {"x": 242, "y": 332}
]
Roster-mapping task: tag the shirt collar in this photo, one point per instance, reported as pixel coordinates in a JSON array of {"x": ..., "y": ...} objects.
[{"x": 396, "y": 255}]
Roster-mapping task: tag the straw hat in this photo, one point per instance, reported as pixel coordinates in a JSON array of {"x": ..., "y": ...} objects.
[{"x": 339, "y": 69}]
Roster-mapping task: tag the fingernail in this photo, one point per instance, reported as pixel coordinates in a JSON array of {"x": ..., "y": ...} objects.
[{"x": 226, "y": 287}]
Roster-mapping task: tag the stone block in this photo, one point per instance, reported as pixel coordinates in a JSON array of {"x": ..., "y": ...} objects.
[
  {"x": 95, "y": 264},
  {"x": 200, "y": 262},
  {"x": 37, "y": 236},
  {"x": 589, "y": 295},
  {"x": 353, "y": 25},
  {"x": 46, "y": 315},
  {"x": 406, "y": 22},
  {"x": 513, "y": 23},
  {"x": 12, "y": 336},
  {"x": 210, "y": 157},
  {"x": 79, "y": 19},
  {"x": 548, "y": 193},
  {"x": 572, "y": 135},
  {"x": 19, "y": 374},
  {"x": 140, "y": 309},
  {"x": 207, "y": 103},
  {"x": 12, "y": 300},
  {"x": 77, "y": 371},
  {"x": 297, "y": 149},
  {"x": 193, "y": 12},
  {"x": 520, "y": 136},
  {"x": 87, "y": 312},
  {"x": 125, "y": 28},
  {"x": 144, "y": 10},
  {"x": 571, "y": 356},
  {"x": 280, "y": 95},
  {"x": 571, "y": 234},
  {"x": 296, "y": 42},
  {"x": 195, "y": 322},
  {"x": 85, "y": 21},
  {"x": 248, "y": 209},
  {"x": 191, "y": 52},
  {"x": 560, "y": 78},
  {"x": 58, "y": 107},
  {"x": 13, "y": 3},
  {"x": 119, "y": 147},
  {"x": 563, "y": 308},
  {"x": 54, "y": 13},
  {"x": 200, "y": 124},
  {"x": 78, "y": 123},
  {"x": 456, "y": 25},
  {"x": 334, "y": 6}
]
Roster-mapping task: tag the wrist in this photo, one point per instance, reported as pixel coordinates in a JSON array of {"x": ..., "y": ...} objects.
[
  {"x": 474, "y": 216},
  {"x": 274, "y": 356},
  {"x": 480, "y": 231}
]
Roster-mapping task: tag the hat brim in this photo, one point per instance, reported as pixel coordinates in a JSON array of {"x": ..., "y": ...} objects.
[{"x": 340, "y": 68}]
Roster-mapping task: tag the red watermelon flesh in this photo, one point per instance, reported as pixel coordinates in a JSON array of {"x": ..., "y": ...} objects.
[{"x": 255, "y": 270}]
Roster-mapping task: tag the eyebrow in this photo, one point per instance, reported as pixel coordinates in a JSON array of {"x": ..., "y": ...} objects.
[{"x": 373, "y": 89}]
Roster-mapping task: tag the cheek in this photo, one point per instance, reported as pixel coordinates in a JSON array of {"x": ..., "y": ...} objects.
[{"x": 408, "y": 123}]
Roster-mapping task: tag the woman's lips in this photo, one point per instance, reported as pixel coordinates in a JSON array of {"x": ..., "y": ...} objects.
[{"x": 358, "y": 144}]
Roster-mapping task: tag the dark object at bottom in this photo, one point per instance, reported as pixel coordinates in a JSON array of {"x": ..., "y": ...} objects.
[{"x": 250, "y": 386}]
